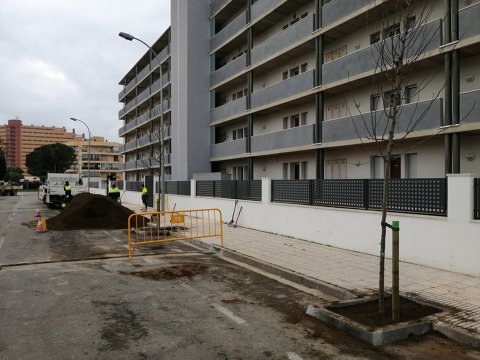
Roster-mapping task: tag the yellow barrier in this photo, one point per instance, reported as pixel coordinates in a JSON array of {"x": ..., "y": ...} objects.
[{"x": 168, "y": 226}]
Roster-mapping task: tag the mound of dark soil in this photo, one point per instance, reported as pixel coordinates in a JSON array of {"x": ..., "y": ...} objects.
[{"x": 90, "y": 211}]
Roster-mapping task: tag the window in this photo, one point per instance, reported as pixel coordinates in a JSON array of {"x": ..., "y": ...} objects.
[
  {"x": 234, "y": 135},
  {"x": 304, "y": 15},
  {"x": 239, "y": 94},
  {"x": 303, "y": 68},
  {"x": 294, "y": 121},
  {"x": 304, "y": 170},
  {"x": 336, "y": 111},
  {"x": 374, "y": 38},
  {"x": 234, "y": 97},
  {"x": 411, "y": 93},
  {"x": 389, "y": 99},
  {"x": 285, "y": 26},
  {"x": 285, "y": 75},
  {"x": 391, "y": 31},
  {"x": 411, "y": 166},
  {"x": 294, "y": 71},
  {"x": 294, "y": 171},
  {"x": 245, "y": 91},
  {"x": 336, "y": 169},
  {"x": 410, "y": 22},
  {"x": 294, "y": 21},
  {"x": 239, "y": 133},
  {"x": 285, "y": 171},
  {"x": 335, "y": 54},
  {"x": 285, "y": 122},
  {"x": 374, "y": 102},
  {"x": 304, "y": 118}
]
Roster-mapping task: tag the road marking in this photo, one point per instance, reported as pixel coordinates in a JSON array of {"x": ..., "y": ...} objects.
[
  {"x": 117, "y": 239},
  {"x": 229, "y": 314},
  {"x": 293, "y": 356}
]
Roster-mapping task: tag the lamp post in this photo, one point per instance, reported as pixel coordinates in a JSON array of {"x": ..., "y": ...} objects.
[
  {"x": 89, "y": 138},
  {"x": 162, "y": 164}
]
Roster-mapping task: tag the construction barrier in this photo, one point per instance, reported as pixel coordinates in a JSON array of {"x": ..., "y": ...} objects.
[{"x": 168, "y": 226}]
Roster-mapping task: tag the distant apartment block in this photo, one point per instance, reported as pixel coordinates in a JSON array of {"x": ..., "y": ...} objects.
[
  {"x": 20, "y": 140},
  {"x": 104, "y": 158},
  {"x": 283, "y": 89}
]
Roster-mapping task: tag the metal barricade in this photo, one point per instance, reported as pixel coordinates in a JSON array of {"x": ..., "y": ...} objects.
[{"x": 168, "y": 226}]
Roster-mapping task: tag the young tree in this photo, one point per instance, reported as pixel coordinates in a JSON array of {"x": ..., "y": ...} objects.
[
  {"x": 50, "y": 158},
  {"x": 14, "y": 174},
  {"x": 405, "y": 36}
]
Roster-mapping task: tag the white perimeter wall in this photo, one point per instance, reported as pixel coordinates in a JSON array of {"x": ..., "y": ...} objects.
[{"x": 450, "y": 243}]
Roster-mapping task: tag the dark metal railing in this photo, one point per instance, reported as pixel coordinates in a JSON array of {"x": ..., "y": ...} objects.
[
  {"x": 178, "y": 187},
  {"x": 231, "y": 189},
  {"x": 476, "y": 198},
  {"x": 422, "y": 196},
  {"x": 133, "y": 185}
]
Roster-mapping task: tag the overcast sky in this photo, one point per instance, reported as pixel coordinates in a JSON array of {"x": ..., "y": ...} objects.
[{"x": 64, "y": 58}]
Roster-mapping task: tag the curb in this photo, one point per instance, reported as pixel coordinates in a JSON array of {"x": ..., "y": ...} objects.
[
  {"x": 303, "y": 280},
  {"x": 459, "y": 335}
]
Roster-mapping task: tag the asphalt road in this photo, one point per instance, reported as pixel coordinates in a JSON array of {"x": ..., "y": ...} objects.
[{"x": 75, "y": 295}]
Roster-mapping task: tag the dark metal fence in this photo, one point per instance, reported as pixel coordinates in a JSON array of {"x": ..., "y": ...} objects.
[
  {"x": 231, "y": 189},
  {"x": 133, "y": 185},
  {"x": 476, "y": 198},
  {"x": 119, "y": 185},
  {"x": 423, "y": 196},
  {"x": 178, "y": 187}
]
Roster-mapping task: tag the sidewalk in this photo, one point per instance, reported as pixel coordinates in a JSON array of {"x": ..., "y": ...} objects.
[{"x": 358, "y": 274}]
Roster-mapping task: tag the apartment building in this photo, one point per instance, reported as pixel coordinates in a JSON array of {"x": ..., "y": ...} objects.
[
  {"x": 20, "y": 140},
  {"x": 294, "y": 87},
  {"x": 104, "y": 158}
]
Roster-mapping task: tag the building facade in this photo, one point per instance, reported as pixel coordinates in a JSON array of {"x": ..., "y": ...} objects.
[
  {"x": 302, "y": 89},
  {"x": 20, "y": 140},
  {"x": 104, "y": 158}
]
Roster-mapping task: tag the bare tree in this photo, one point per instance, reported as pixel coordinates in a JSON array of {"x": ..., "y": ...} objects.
[{"x": 405, "y": 35}]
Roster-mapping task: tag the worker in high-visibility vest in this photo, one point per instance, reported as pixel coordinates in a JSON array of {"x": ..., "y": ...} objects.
[
  {"x": 68, "y": 192},
  {"x": 114, "y": 192},
  {"x": 144, "y": 197}
]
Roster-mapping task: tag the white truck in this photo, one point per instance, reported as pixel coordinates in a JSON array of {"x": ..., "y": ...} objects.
[{"x": 52, "y": 193}]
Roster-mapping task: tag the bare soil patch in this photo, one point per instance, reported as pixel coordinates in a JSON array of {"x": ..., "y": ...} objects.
[
  {"x": 169, "y": 273},
  {"x": 90, "y": 211},
  {"x": 366, "y": 313}
]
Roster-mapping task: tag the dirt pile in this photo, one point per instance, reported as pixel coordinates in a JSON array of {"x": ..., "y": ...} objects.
[{"x": 90, "y": 211}]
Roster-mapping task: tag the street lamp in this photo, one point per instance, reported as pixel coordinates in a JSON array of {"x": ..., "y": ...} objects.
[
  {"x": 162, "y": 164},
  {"x": 89, "y": 138}
]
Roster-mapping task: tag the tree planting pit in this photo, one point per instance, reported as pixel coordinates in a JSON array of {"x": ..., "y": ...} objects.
[{"x": 360, "y": 318}]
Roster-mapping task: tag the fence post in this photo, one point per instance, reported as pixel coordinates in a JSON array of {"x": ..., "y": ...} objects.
[
  {"x": 193, "y": 188},
  {"x": 365, "y": 194},
  {"x": 311, "y": 185},
  {"x": 460, "y": 197},
  {"x": 266, "y": 190}
]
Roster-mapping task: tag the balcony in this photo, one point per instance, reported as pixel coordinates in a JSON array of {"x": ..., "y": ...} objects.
[
  {"x": 131, "y": 145},
  {"x": 129, "y": 106},
  {"x": 143, "y": 141},
  {"x": 121, "y": 167},
  {"x": 338, "y": 9},
  {"x": 143, "y": 95},
  {"x": 121, "y": 149},
  {"x": 261, "y": 7},
  {"x": 143, "y": 73},
  {"x": 285, "y": 89},
  {"x": 299, "y": 136},
  {"x": 229, "y": 31},
  {"x": 127, "y": 88},
  {"x": 228, "y": 149},
  {"x": 161, "y": 57},
  {"x": 366, "y": 59},
  {"x": 131, "y": 125},
  {"x": 144, "y": 163},
  {"x": 230, "y": 109},
  {"x": 467, "y": 18},
  {"x": 428, "y": 114},
  {"x": 122, "y": 131},
  {"x": 216, "y": 5},
  {"x": 228, "y": 70},
  {"x": 292, "y": 35},
  {"x": 130, "y": 165},
  {"x": 470, "y": 107}
]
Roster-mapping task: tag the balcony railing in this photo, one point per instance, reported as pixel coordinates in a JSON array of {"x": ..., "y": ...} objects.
[
  {"x": 216, "y": 5},
  {"x": 337, "y": 9},
  {"x": 302, "y": 135},
  {"x": 470, "y": 107},
  {"x": 131, "y": 125},
  {"x": 229, "y": 31},
  {"x": 131, "y": 145},
  {"x": 263, "y": 6},
  {"x": 367, "y": 59},
  {"x": 143, "y": 95},
  {"x": 121, "y": 149},
  {"x": 285, "y": 38},
  {"x": 228, "y": 148},
  {"x": 425, "y": 114},
  {"x": 229, "y": 70},
  {"x": 467, "y": 17},
  {"x": 232, "y": 108},
  {"x": 284, "y": 89},
  {"x": 131, "y": 165}
]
